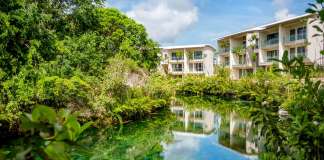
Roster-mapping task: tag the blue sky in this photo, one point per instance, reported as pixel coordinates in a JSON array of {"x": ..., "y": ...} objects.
[{"x": 179, "y": 22}]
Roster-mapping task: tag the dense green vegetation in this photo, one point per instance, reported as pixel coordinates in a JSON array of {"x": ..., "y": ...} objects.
[
  {"x": 67, "y": 65},
  {"x": 72, "y": 55}
]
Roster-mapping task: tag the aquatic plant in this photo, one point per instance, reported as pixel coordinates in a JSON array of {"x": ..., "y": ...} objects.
[{"x": 50, "y": 134}]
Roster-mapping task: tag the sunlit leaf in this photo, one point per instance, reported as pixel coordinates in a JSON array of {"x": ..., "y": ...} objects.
[{"x": 56, "y": 151}]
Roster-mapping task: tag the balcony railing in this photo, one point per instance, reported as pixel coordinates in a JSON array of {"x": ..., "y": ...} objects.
[
  {"x": 174, "y": 58},
  {"x": 177, "y": 70},
  {"x": 270, "y": 59},
  {"x": 301, "y": 38},
  {"x": 196, "y": 71},
  {"x": 271, "y": 42},
  {"x": 224, "y": 50},
  {"x": 197, "y": 57},
  {"x": 242, "y": 62}
]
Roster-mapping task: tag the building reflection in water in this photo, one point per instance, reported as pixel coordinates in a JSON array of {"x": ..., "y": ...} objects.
[
  {"x": 229, "y": 131},
  {"x": 236, "y": 133}
]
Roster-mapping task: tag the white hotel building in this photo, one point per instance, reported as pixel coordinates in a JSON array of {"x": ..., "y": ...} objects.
[
  {"x": 188, "y": 60},
  {"x": 270, "y": 41}
]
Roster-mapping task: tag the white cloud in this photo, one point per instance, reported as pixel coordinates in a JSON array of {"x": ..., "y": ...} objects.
[
  {"x": 282, "y": 10},
  {"x": 283, "y": 14},
  {"x": 166, "y": 19}
]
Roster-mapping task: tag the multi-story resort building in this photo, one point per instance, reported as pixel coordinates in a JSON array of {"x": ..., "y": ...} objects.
[
  {"x": 188, "y": 60},
  {"x": 245, "y": 51}
]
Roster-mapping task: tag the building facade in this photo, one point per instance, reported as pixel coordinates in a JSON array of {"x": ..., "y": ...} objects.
[
  {"x": 188, "y": 60},
  {"x": 248, "y": 50}
]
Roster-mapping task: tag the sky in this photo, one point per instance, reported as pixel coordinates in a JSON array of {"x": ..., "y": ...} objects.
[{"x": 186, "y": 22}]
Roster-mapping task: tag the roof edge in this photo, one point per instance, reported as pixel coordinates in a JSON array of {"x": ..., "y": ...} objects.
[
  {"x": 261, "y": 27},
  {"x": 188, "y": 46}
]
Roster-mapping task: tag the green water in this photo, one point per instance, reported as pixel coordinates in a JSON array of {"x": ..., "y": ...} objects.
[
  {"x": 186, "y": 131},
  {"x": 190, "y": 129}
]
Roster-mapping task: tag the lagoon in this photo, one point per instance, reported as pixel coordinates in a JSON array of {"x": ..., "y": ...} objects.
[
  {"x": 191, "y": 128},
  {"x": 184, "y": 131}
]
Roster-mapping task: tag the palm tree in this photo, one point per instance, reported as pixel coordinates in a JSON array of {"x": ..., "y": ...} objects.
[{"x": 253, "y": 45}]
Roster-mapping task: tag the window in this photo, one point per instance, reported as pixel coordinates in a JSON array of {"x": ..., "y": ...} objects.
[
  {"x": 199, "y": 67},
  {"x": 241, "y": 74},
  {"x": 301, "y": 52},
  {"x": 190, "y": 67},
  {"x": 165, "y": 57},
  {"x": 227, "y": 61},
  {"x": 272, "y": 38},
  {"x": 178, "y": 113},
  {"x": 257, "y": 44},
  {"x": 245, "y": 72},
  {"x": 198, "y": 114},
  {"x": 242, "y": 59},
  {"x": 292, "y": 35},
  {"x": 301, "y": 33},
  {"x": 175, "y": 56},
  {"x": 292, "y": 53},
  {"x": 198, "y": 55},
  {"x": 244, "y": 43},
  {"x": 177, "y": 67},
  {"x": 272, "y": 54},
  {"x": 227, "y": 49}
]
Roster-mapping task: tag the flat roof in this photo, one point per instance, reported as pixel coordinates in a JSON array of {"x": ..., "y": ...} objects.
[
  {"x": 188, "y": 46},
  {"x": 265, "y": 26}
]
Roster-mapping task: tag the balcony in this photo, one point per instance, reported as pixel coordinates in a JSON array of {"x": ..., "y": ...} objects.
[
  {"x": 196, "y": 72},
  {"x": 224, "y": 50},
  {"x": 270, "y": 44},
  {"x": 225, "y": 64},
  {"x": 242, "y": 63},
  {"x": 176, "y": 59},
  {"x": 196, "y": 58},
  {"x": 177, "y": 71},
  {"x": 295, "y": 40},
  {"x": 196, "y": 68}
]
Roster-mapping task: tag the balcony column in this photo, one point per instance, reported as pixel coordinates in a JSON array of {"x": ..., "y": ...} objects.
[
  {"x": 168, "y": 61},
  {"x": 231, "y": 59},
  {"x": 250, "y": 145},
  {"x": 281, "y": 43},
  {"x": 233, "y": 126},
  {"x": 185, "y": 62},
  {"x": 186, "y": 119}
]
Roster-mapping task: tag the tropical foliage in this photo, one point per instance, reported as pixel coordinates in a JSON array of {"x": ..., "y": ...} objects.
[{"x": 57, "y": 53}]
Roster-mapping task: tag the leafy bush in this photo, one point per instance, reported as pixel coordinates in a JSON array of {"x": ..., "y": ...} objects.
[
  {"x": 50, "y": 133},
  {"x": 68, "y": 54}
]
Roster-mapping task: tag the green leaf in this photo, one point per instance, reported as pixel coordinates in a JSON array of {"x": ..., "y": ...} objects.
[
  {"x": 22, "y": 155},
  {"x": 320, "y": 1},
  {"x": 73, "y": 128},
  {"x": 318, "y": 28},
  {"x": 309, "y": 10},
  {"x": 321, "y": 15},
  {"x": 322, "y": 52},
  {"x": 44, "y": 113},
  {"x": 85, "y": 126},
  {"x": 56, "y": 151},
  {"x": 317, "y": 35},
  {"x": 27, "y": 123},
  {"x": 312, "y": 5}
]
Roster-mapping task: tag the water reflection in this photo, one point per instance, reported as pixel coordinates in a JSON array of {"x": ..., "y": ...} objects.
[
  {"x": 205, "y": 134},
  {"x": 195, "y": 129}
]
